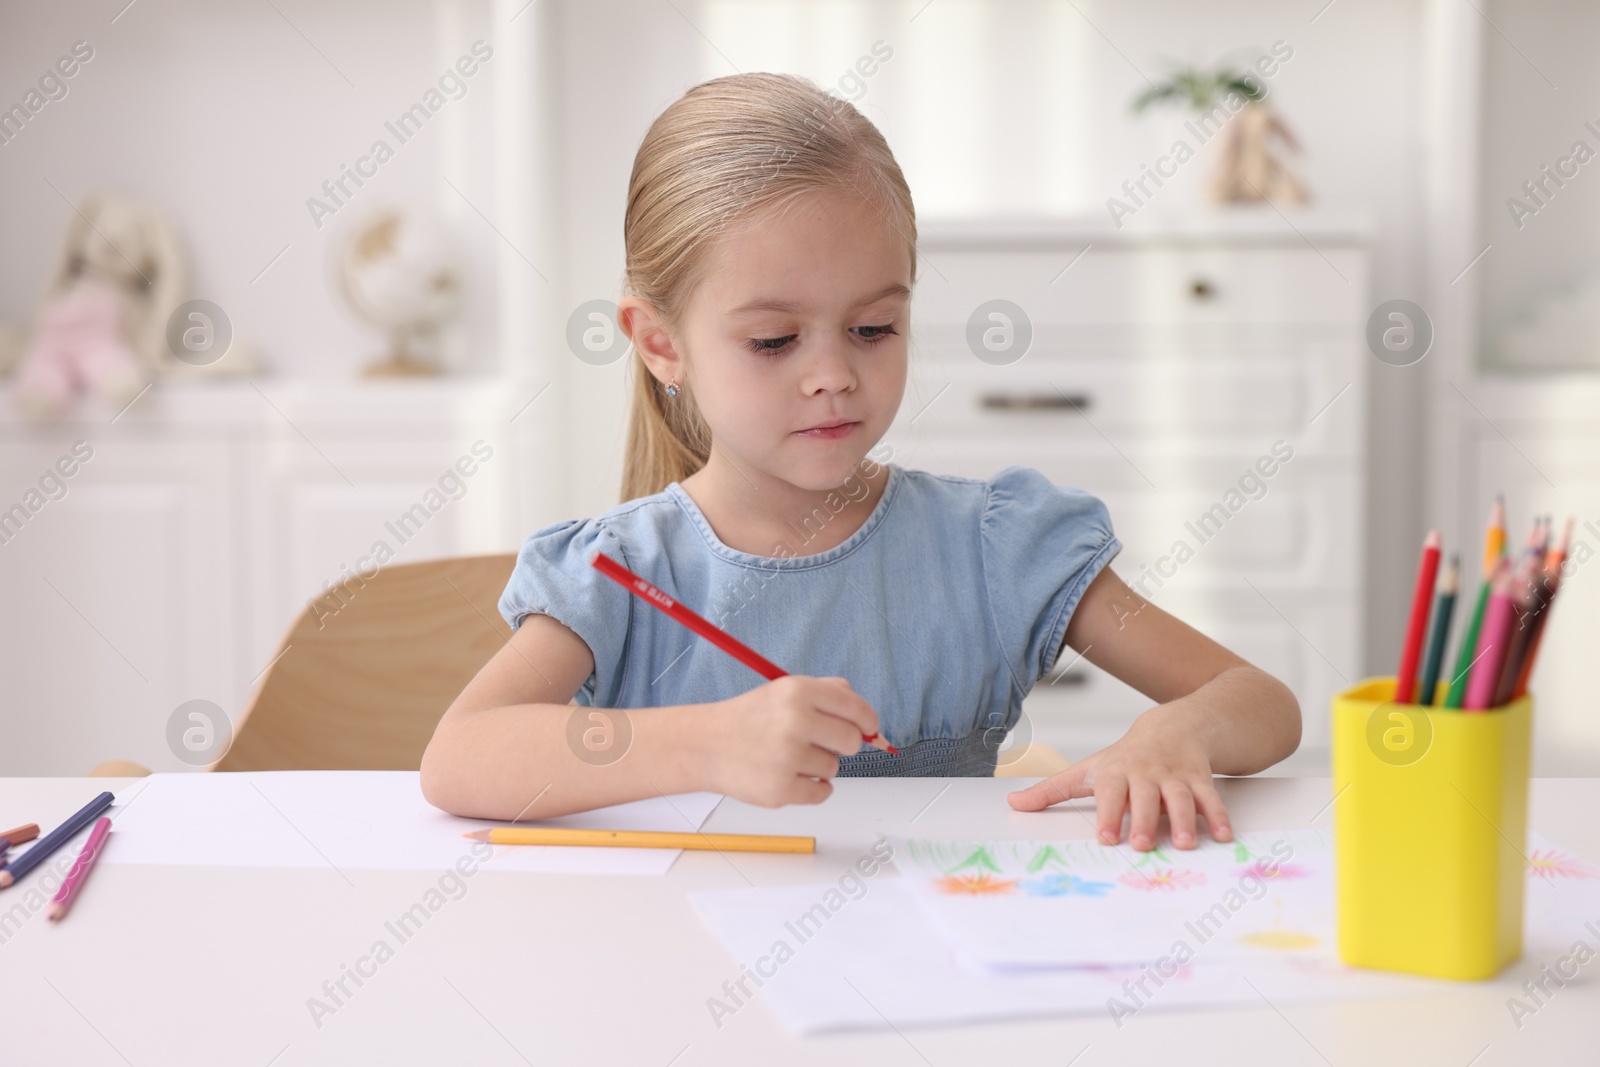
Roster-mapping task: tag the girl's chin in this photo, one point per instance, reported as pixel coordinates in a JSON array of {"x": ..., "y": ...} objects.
[{"x": 822, "y": 477}]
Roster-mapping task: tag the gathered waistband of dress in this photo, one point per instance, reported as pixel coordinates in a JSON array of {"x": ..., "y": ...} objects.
[{"x": 934, "y": 757}]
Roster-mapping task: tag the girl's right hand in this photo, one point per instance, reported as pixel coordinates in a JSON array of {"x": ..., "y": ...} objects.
[{"x": 780, "y": 743}]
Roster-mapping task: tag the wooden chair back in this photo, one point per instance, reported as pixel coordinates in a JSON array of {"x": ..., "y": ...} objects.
[{"x": 364, "y": 675}]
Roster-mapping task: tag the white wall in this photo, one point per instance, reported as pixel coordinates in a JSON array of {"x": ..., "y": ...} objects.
[
  {"x": 230, "y": 116},
  {"x": 1539, "y": 89}
]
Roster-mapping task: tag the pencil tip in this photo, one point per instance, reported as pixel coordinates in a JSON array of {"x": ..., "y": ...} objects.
[{"x": 478, "y": 835}]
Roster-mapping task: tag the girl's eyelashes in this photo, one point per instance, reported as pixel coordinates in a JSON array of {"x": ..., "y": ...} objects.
[
  {"x": 879, "y": 332},
  {"x": 773, "y": 346},
  {"x": 769, "y": 346}
]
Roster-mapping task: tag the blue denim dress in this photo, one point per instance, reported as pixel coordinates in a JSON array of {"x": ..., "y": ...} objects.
[{"x": 943, "y": 609}]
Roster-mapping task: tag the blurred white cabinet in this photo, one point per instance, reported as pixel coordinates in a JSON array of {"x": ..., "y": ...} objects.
[
  {"x": 203, "y": 521},
  {"x": 117, "y": 595},
  {"x": 1156, "y": 369}
]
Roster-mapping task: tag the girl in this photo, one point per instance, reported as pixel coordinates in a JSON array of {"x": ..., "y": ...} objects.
[{"x": 770, "y": 257}]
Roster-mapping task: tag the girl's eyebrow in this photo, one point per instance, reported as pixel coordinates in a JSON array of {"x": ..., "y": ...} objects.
[{"x": 787, "y": 306}]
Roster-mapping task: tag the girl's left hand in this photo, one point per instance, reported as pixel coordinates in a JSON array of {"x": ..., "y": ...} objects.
[{"x": 1158, "y": 763}]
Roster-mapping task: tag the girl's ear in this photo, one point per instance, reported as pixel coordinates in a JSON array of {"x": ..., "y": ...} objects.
[{"x": 641, "y": 322}]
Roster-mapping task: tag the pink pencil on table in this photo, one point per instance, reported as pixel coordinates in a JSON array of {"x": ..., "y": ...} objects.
[
  {"x": 1492, "y": 640},
  {"x": 80, "y": 869}
]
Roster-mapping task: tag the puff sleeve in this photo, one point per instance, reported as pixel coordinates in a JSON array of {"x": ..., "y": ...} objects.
[
  {"x": 1042, "y": 545},
  {"x": 554, "y": 576}
]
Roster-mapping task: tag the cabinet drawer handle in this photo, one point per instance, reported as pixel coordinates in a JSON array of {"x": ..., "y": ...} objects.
[{"x": 1079, "y": 402}]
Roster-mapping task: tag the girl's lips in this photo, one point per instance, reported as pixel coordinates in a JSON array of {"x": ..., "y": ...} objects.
[{"x": 829, "y": 433}]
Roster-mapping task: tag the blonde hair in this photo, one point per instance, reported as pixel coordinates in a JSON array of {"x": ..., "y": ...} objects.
[{"x": 726, "y": 151}]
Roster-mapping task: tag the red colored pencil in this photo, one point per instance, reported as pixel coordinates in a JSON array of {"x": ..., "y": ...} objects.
[
  {"x": 715, "y": 634},
  {"x": 80, "y": 869},
  {"x": 1405, "y": 681}
]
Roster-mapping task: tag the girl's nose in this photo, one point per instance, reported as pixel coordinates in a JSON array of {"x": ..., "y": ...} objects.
[{"x": 830, "y": 369}]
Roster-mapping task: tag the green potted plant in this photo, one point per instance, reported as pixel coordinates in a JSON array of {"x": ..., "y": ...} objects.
[{"x": 1228, "y": 101}]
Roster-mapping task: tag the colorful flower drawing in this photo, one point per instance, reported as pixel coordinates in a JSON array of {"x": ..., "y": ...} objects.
[
  {"x": 1168, "y": 879},
  {"x": 1268, "y": 870},
  {"x": 1155, "y": 857},
  {"x": 1047, "y": 854},
  {"x": 1056, "y": 884},
  {"x": 974, "y": 885},
  {"x": 980, "y": 858},
  {"x": 1554, "y": 863}
]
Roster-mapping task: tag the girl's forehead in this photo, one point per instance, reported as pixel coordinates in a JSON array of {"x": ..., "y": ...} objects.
[
  {"x": 787, "y": 305},
  {"x": 795, "y": 260}
]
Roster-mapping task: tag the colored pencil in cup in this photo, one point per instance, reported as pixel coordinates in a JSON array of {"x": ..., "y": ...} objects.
[
  {"x": 1553, "y": 563},
  {"x": 1528, "y": 598},
  {"x": 1443, "y": 608},
  {"x": 1494, "y": 538},
  {"x": 1538, "y": 537},
  {"x": 715, "y": 634},
  {"x": 554, "y": 835},
  {"x": 54, "y": 840},
  {"x": 80, "y": 869},
  {"x": 1405, "y": 680},
  {"x": 1494, "y": 543},
  {"x": 1492, "y": 639}
]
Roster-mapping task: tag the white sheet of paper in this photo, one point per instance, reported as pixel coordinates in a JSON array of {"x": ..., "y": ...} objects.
[
  {"x": 1079, "y": 903},
  {"x": 864, "y": 955},
  {"x": 878, "y": 962},
  {"x": 375, "y": 820}
]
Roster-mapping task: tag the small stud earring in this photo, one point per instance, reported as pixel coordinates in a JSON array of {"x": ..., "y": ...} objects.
[{"x": 672, "y": 387}]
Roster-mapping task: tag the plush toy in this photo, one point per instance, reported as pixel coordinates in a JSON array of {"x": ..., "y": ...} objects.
[
  {"x": 81, "y": 347},
  {"x": 103, "y": 322}
]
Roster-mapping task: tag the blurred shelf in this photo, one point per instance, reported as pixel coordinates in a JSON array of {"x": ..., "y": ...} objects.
[
  {"x": 247, "y": 403},
  {"x": 1252, "y": 224}
]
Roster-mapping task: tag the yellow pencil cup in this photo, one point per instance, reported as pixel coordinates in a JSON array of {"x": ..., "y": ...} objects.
[{"x": 1430, "y": 828}]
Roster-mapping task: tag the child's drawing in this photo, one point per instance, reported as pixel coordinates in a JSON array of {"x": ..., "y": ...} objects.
[
  {"x": 1554, "y": 863},
  {"x": 974, "y": 885},
  {"x": 1170, "y": 879},
  {"x": 980, "y": 858},
  {"x": 1047, "y": 854},
  {"x": 1059, "y": 884},
  {"x": 1281, "y": 940},
  {"x": 1268, "y": 869}
]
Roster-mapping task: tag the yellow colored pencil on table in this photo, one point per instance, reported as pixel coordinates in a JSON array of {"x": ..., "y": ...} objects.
[{"x": 550, "y": 835}]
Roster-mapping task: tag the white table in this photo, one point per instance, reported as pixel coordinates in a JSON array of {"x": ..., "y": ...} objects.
[{"x": 174, "y": 965}]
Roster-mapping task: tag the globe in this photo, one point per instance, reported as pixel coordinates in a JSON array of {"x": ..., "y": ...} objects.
[{"x": 402, "y": 274}]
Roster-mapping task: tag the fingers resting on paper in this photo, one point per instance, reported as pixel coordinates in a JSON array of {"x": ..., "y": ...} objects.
[{"x": 1141, "y": 793}]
